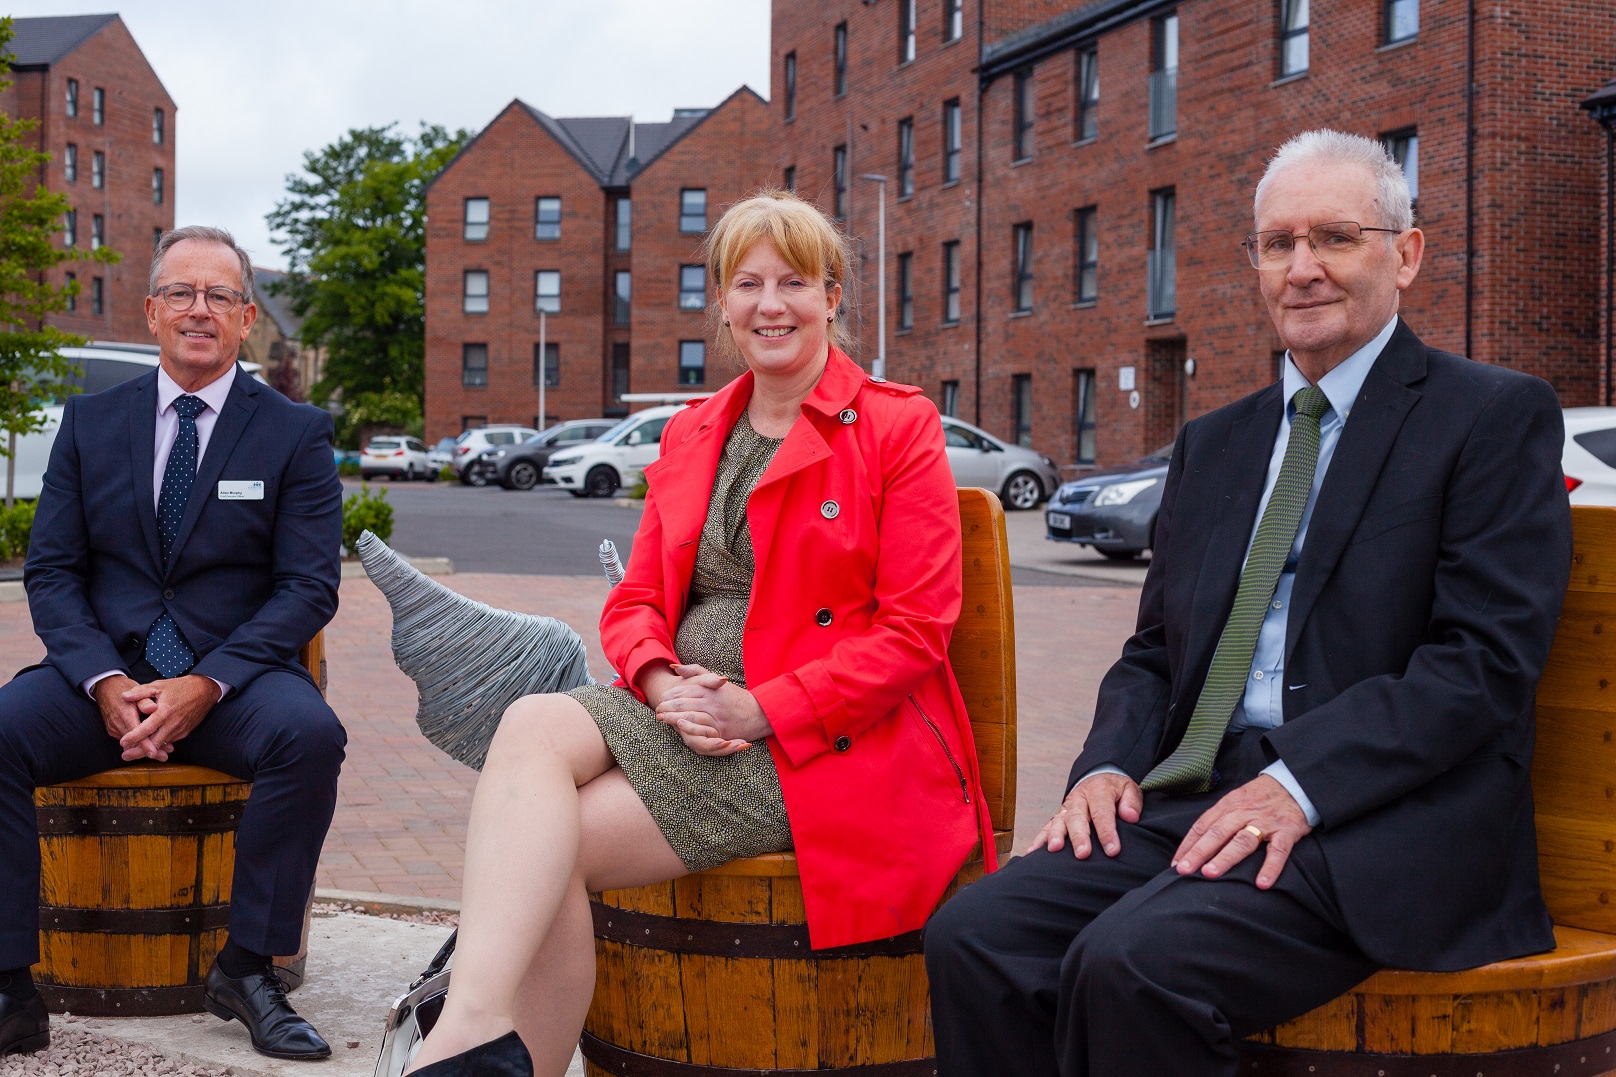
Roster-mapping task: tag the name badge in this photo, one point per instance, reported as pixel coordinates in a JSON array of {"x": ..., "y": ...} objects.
[{"x": 241, "y": 489}]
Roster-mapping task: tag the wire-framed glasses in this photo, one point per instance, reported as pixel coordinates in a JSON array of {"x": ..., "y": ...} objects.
[
  {"x": 1330, "y": 242},
  {"x": 181, "y": 297}
]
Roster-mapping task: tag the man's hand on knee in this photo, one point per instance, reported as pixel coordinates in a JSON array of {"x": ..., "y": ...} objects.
[
  {"x": 171, "y": 710},
  {"x": 121, "y": 717},
  {"x": 1233, "y": 828},
  {"x": 1095, "y": 802}
]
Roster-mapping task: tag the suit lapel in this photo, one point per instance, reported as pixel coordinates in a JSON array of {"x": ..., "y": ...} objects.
[
  {"x": 238, "y": 410},
  {"x": 142, "y": 459}
]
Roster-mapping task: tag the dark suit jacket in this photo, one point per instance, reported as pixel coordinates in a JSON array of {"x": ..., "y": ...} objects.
[
  {"x": 1424, "y": 606},
  {"x": 248, "y": 582}
]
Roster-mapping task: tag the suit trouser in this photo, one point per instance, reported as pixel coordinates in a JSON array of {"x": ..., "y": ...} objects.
[
  {"x": 277, "y": 733},
  {"x": 1107, "y": 967}
]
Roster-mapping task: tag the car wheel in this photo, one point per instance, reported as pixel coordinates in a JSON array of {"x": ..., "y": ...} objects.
[
  {"x": 474, "y": 476},
  {"x": 522, "y": 476},
  {"x": 1022, "y": 491},
  {"x": 431, "y": 474},
  {"x": 1120, "y": 555},
  {"x": 600, "y": 482},
  {"x": 367, "y": 476}
]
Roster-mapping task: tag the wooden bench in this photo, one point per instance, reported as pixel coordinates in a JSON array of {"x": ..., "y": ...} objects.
[
  {"x": 135, "y": 874},
  {"x": 712, "y": 974},
  {"x": 1551, "y": 1014}
]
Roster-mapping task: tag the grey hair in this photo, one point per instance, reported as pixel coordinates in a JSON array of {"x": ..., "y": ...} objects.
[
  {"x": 207, "y": 234},
  {"x": 1324, "y": 146}
]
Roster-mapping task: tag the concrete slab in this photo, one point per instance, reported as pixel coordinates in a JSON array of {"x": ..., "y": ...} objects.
[{"x": 1029, "y": 549}]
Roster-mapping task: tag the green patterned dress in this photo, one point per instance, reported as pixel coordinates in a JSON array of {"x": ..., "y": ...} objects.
[{"x": 711, "y": 809}]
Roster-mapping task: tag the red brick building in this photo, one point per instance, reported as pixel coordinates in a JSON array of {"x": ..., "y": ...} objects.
[
  {"x": 108, "y": 124},
  {"x": 1098, "y": 232},
  {"x": 596, "y": 223}
]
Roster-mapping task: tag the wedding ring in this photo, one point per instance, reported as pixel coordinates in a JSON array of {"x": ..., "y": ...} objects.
[{"x": 1254, "y": 832}]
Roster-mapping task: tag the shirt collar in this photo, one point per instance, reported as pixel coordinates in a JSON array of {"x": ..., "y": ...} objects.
[
  {"x": 213, "y": 394},
  {"x": 1341, "y": 385}
]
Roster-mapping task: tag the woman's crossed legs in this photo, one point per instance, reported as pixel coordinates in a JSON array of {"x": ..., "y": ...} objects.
[{"x": 553, "y": 818}]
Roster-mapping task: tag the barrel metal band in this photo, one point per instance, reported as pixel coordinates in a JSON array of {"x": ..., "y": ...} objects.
[
  {"x": 183, "y": 920},
  {"x": 621, "y": 1062},
  {"x": 713, "y": 938},
  {"x": 121, "y": 1001},
  {"x": 1578, "y": 1058},
  {"x": 102, "y": 819}
]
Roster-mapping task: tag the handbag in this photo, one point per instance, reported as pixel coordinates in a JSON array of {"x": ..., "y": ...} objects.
[{"x": 415, "y": 1012}]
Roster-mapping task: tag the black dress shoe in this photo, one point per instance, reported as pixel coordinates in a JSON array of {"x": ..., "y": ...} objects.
[
  {"x": 258, "y": 1000},
  {"x": 504, "y": 1057},
  {"x": 24, "y": 1025}
]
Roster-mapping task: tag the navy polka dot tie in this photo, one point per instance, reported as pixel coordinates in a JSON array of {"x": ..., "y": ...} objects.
[{"x": 166, "y": 649}]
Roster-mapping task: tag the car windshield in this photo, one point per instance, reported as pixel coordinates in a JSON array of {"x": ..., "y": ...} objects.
[
  {"x": 1160, "y": 456},
  {"x": 463, "y": 435},
  {"x": 541, "y": 439},
  {"x": 613, "y": 431}
]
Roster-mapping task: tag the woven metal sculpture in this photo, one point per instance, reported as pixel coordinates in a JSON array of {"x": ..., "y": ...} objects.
[{"x": 469, "y": 660}]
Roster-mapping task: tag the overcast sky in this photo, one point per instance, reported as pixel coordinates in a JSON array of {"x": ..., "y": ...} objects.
[{"x": 258, "y": 84}]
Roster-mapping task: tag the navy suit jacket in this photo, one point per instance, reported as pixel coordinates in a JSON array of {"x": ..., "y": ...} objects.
[
  {"x": 248, "y": 582},
  {"x": 1425, "y": 603}
]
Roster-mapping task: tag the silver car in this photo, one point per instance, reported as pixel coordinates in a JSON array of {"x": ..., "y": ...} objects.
[{"x": 1021, "y": 477}]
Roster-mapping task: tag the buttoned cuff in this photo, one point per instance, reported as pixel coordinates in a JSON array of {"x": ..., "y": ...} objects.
[
  {"x": 790, "y": 710},
  {"x": 89, "y": 685},
  {"x": 1278, "y": 771}
]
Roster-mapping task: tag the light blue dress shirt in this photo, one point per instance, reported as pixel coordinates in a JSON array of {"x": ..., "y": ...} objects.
[{"x": 1263, "y": 706}]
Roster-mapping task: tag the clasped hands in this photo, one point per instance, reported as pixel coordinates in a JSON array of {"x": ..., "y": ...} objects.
[
  {"x": 147, "y": 720},
  {"x": 1261, "y": 811},
  {"x": 712, "y": 715}
]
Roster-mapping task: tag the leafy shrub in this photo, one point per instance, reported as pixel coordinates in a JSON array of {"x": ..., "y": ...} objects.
[
  {"x": 365, "y": 511},
  {"x": 16, "y": 526},
  {"x": 448, "y": 474},
  {"x": 348, "y": 467}
]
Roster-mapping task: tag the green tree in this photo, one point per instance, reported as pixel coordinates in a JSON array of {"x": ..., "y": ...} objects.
[
  {"x": 353, "y": 229},
  {"x": 32, "y": 368}
]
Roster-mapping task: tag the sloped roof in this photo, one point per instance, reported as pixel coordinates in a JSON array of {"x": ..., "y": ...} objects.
[
  {"x": 1603, "y": 103},
  {"x": 277, "y": 308},
  {"x": 43, "y": 41},
  {"x": 1079, "y": 23}
]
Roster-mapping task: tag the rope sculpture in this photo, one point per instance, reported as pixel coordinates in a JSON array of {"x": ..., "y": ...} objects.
[{"x": 609, "y": 562}]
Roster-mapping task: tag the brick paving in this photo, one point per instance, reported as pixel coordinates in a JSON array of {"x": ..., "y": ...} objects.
[{"x": 400, "y": 823}]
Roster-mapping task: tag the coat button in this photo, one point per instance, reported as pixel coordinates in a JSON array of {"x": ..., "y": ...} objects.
[
  {"x": 843, "y": 743},
  {"x": 830, "y": 510},
  {"x": 168, "y": 594},
  {"x": 848, "y": 416},
  {"x": 823, "y": 617},
  {"x": 878, "y": 379}
]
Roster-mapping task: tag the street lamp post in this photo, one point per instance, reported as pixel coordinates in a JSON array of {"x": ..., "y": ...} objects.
[
  {"x": 880, "y": 367},
  {"x": 544, "y": 370}
]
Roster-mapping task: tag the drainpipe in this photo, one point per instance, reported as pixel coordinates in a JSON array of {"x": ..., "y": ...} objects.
[
  {"x": 981, "y": 100},
  {"x": 1602, "y": 106},
  {"x": 1470, "y": 178}
]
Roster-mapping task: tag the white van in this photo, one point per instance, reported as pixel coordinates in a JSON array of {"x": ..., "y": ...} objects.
[{"x": 615, "y": 459}]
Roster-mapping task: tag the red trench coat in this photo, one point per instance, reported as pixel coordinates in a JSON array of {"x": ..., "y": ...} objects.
[{"x": 856, "y": 533}]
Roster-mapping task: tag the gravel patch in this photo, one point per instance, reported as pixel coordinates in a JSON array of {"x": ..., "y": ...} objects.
[
  {"x": 434, "y": 917},
  {"x": 76, "y": 1052}
]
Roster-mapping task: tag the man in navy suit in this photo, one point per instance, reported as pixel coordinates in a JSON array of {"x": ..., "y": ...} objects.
[{"x": 185, "y": 547}]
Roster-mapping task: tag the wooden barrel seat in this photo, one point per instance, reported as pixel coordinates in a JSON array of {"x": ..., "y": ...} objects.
[
  {"x": 1553, "y": 1013},
  {"x": 135, "y": 874},
  {"x": 712, "y": 975}
]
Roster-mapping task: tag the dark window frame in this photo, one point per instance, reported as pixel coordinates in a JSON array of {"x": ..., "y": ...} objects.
[
  {"x": 689, "y": 222},
  {"x": 70, "y": 228},
  {"x": 1025, "y": 114},
  {"x": 157, "y": 186},
  {"x": 906, "y": 291},
  {"x": 1161, "y": 289},
  {"x": 1162, "y": 119},
  {"x": 70, "y": 163},
  {"x": 98, "y": 106},
  {"x": 686, "y": 292},
  {"x": 953, "y": 20},
  {"x": 699, "y": 377},
  {"x": 953, "y": 137},
  {"x": 98, "y": 296},
  {"x": 839, "y": 60},
  {"x": 72, "y": 296},
  {"x": 1021, "y": 269},
  {"x": 552, "y": 364},
  {"x": 544, "y": 228},
  {"x": 468, "y": 225},
  {"x": 788, "y": 178},
  {"x": 540, "y": 297},
  {"x": 789, "y": 77},
  {"x": 1021, "y": 410},
  {"x": 950, "y": 402},
  {"x": 467, "y": 297},
  {"x": 1398, "y": 143},
  {"x": 839, "y": 181},
  {"x": 98, "y": 170},
  {"x": 1289, "y": 33},
  {"x": 158, "y": 133},
  {"x": 1087, "y": 112},
  {"x": 907, "y": 46},
  {"x": 473, "y": 376},
  {"x": 72, "y": 104},
  {"x": 1086, "y": 255},
  {"x": 1388, "y": 17},
  {"x": 622, "y": 299},
  {"x": 623, "y": 224},
  {"x": 1085, "y": 382},
  {"x": 98, "y": 231},
  {"x": 952, "y": 275},
  {"x": 906, "y": 157}
]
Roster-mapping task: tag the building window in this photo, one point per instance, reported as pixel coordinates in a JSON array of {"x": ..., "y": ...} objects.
[
  {"x": 622, "y": 296},
  {"x": 791, "y": 85},
  {"x": 1083, "y": 415},
  {"x": 551, "y": 364},
  {"x": 1026, "y": 111},
  {"x": 156, "y": 237},
  {"x": 157, "y": 186},
  {"x": 906, "y": 157},
  {"x": 476, "y": 219},
  {"x": 472, "y": 422},
  {"x": 157, "y": 127},
  {"x": 98, "y": 232},
  {"x": 692, "y": 362},
  {"x": 98, "y": 106},
  {"x": 547, "y": 291},
  {"x": 72, "y": 98},
  {"x": 70, "y": 163},
  {"x": 906, "y": 291},
  {"x": 1404, "y": 146},
  {"x": 953, "y": 20},
  {"x": 70, "y": 228},
  {"x": 1022, "y": 268},
  {"x": 840, "y": 83},
  {"x": 474, "y": 296},
  {"x": 1021, "y": 409},
  {"x": 1293, "y": 20},
  {"x": 1161, "y": 264},
  {"x": 547, "y": 218},
  {"x": 98, "y": 170},
  {"x": 950, "y": 399},
  {"x": 693, "y": 209},
  {"x": 1086, "y": 255},
  {"x": 906, "y": 30},
  {"x": 1088, "y": 94},
  {"x": 1402, "y": 20},
  {"x": 692, "y": 287},
  {"x": 951, "y": 141},
  {"x": 951, "y": 282},
  {"x": 72, "y": 292},
  {"x": 1164, "y": 77},
  {"x": 474, "y": 366},
  {"x": 98, "y": 296},
  {"x": 839, "y": 172},
  {"x": 625, "y": 223},
  {"x": 789, "y": 178}
]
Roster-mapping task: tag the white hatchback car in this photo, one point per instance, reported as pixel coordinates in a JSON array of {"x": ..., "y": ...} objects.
[
  {"x": 1021, "y": 477},
  {"x": 398, "y": 457},
  {"x": 1589, "y": 456},
  {"x": 471, "y": 443},
  {"x": 615, "y": 459}
]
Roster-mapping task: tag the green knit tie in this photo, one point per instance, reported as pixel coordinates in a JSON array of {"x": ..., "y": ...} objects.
[{"x": 1189, "y": 768}]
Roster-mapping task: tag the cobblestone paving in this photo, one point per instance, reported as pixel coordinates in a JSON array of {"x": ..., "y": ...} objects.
[{"x": 400, "y": 822}]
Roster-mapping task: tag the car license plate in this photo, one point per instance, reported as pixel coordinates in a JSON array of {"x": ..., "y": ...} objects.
[{"x": 1058, "y": 519}]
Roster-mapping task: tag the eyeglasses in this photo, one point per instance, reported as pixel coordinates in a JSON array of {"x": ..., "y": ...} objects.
[
  {"x": 181, "y": 297},
  {"x": 1330, "y": 243}
]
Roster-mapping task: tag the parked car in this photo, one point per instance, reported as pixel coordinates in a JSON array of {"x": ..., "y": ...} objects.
[
  {"x": 1113, "y": 510},
  {"x": 398, "y": 457},
  {"x": 519, "y": 467},
  {"x": 1589, "y": 456},
  {"x": 471, "y": 444},
  {"x": 1021, "y": 477},
  {"x": 442, "y": 454},
  {"x": 615, "y": 459}
]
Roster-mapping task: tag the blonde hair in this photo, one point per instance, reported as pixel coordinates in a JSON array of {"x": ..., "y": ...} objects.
[{"x": 808, "y": 241}]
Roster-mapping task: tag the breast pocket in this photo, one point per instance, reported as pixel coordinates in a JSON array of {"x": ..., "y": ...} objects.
[{"x": 1419, "y": 510}]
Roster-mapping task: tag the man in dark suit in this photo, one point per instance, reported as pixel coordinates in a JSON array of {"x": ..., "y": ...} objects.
[
  {"x": 185, "y": 548},
  {"x": 1312, "y": 758}
]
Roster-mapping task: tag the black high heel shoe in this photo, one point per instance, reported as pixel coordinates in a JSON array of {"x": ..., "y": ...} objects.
[{"x": 504, "y": 1057}]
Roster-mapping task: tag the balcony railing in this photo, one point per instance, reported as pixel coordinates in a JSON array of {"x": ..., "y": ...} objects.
[
  {"x": 1161, "y": 285},
  {"x": 1163, "y": 103}
]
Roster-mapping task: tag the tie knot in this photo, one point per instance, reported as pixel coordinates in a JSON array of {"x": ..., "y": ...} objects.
[
  {"x": 1311, "y": 402},
  {"x": 189, "y": 407}
]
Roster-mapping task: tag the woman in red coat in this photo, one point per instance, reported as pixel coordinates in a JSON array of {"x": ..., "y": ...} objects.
[{"x": 781, "y": 636}]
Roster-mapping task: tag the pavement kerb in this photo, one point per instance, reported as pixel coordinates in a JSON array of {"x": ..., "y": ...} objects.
[
  {"x": 430, "y": 566},
  {"x": 370, "y": 904}
]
